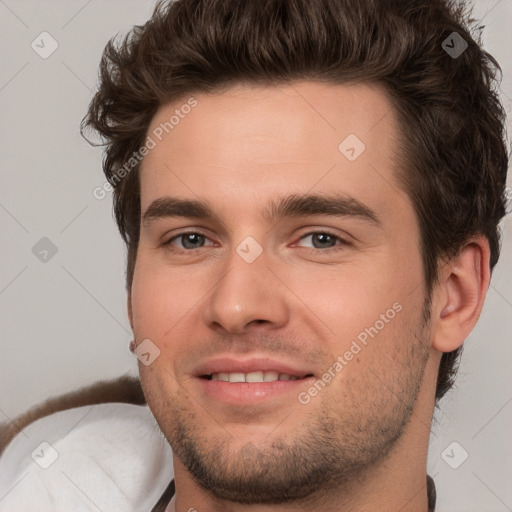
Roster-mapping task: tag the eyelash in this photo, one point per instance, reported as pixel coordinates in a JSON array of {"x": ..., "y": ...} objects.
[{"x": 343, "y": 242}]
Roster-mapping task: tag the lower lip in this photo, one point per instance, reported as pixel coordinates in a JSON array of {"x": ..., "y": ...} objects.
[{"x": 245, "y": 393}]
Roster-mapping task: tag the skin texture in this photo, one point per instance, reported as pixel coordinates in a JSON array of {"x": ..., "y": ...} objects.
[{"x": 361, "y": 442}]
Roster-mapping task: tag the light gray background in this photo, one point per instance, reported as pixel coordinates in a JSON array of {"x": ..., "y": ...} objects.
[{"x": 64, "y": 321}]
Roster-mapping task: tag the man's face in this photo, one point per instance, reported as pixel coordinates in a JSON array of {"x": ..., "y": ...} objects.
[{"x": 243, "y": 294}]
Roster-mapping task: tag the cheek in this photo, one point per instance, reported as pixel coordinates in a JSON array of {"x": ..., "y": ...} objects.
[
  {"x": 378, "y": 351},
  {"x": 160, "y": 299},
  {"x": 348, "y": 299},
  {"x": 372, "y": 315},
  {"x": 168, "y": 308}
]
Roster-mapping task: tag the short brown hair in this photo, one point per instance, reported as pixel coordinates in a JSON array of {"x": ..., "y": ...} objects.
[{"x": 454, "y": 152}]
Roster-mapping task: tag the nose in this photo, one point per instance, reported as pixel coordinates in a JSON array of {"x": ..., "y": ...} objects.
[{"x": 247, "y": 295}]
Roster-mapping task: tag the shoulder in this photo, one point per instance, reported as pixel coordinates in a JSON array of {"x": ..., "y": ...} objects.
[
  {"x": 123, "y": 389},
  {"x": 109, "y": 455}
]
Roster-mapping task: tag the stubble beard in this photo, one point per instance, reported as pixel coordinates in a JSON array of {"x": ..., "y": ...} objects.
[{"x": 332, "y": 449}]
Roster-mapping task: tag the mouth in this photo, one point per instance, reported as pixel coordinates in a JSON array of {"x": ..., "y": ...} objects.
[
  {"x": 253, "y": 381},
  {"x": 253, "y": 377}
]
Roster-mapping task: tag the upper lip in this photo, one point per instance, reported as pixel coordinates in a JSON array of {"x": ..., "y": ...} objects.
[{"x": 253, "y": 364}]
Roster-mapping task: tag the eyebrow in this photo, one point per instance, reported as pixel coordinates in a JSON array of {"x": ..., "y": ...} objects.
[{"x": 294, "y": 205}]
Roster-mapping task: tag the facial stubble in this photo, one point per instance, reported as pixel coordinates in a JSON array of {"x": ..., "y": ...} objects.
[{"x": 332, "y": 447}]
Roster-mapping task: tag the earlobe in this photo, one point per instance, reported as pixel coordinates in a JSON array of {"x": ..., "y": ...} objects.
[{"x": 460, "y": 295}]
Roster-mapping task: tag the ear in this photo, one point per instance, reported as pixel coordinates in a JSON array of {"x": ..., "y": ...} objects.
[{"x": 460, "y": 294}]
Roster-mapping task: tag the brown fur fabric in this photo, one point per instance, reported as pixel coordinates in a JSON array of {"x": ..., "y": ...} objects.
[{"x": 122, "y": 389}]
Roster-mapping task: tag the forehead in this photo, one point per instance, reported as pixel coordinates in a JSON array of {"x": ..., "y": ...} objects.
[{"x": 259, "y": 140}]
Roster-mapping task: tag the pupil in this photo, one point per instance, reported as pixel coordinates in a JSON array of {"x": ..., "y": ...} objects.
[
  {"x": 323, "y": 238},
  {"x": 189, "y": 239}
]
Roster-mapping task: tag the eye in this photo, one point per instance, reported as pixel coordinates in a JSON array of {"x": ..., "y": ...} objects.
[
  {"x": 188, "y": 241},
  {"x": 324, "y": 241}
]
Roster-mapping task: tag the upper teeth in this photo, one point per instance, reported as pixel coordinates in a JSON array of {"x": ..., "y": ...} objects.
[{"x": 253, "y": 377}]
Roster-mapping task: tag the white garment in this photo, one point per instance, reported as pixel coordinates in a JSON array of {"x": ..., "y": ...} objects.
[{"x": 105, "y": 457}]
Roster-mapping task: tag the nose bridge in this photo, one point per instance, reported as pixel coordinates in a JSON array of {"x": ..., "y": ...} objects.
[{"x": 247, "y": 292}]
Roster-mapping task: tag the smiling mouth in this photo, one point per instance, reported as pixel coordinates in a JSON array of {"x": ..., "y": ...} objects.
[{"x": 252, "y": 377}]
